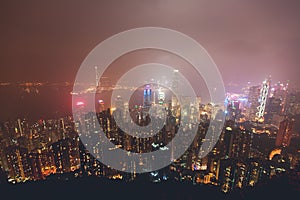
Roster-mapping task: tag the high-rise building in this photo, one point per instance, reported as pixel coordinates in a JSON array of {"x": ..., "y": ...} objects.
[
  {"x": 89, "y": 164},
  {"x": 35, "y": 165},
  {"x": 254, "y": 172},
  {"x": 236, "y": 173},
  {"x": 174, "y": 86},
  {"x": 264, "y": 92},
  {"x": 96, "y": 76},
  {"x": 233, "y": 110},
  {"x": 253, "y": 103},
  {"x": 280, "y": 91},
  {"x": 237, "y": 142},
  {"x": 285, "y": 132},
  {"x": 47, "y": 164},
  {"x": 227, "y": 174},
  {"x": 161, "y": 97},
  {"x": 147, "y": 96},
  {"x": 17, "y": 161},
  {"x": 273, "y": 107},
  {"x": 66, "y": 155},
  {"x": 175, "y": 81}
]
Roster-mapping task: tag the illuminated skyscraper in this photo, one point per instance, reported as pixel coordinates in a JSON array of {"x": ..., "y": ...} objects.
[
  {"x": 236, "y": 173},
  {"x": 285, "y": 132},
  {"x": 237, "y": 142},
  {"x": 174, "y": 86},
  {"x": 97, "y": 76},
  {"x": 264, "y": 91},
  {"x": 66, "y": 155},
  {"x": 147, "y": 96},
  {"x": 161, "y": 97},
  {"x": 15, "y": 159},
  {"x": 175, "y": 81},
  {"x": 35, "y": 165},
  {"x": 253, "y": 103},
  {"x": 20, "y": 127},
  {"x": 280, "y": 91},
  {"x": 42, "y": 164},
  {"x": 274, "y": 107}
]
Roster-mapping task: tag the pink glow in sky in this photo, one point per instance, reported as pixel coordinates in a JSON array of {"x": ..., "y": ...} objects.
[{"x": 79, "y": 103}]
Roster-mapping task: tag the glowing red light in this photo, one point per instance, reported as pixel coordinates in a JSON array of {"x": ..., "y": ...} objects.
[
  {"x": 101, "y": 101},
  {"x": 79, "y": 103}
]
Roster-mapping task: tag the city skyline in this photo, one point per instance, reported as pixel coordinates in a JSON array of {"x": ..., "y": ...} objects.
[
  {"x": 162, "y": 99},
  {"x": 39, "y": 151}
]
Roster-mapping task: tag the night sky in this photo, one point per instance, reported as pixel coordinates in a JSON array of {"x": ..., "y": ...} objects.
[{"x": 248, "y": 40}]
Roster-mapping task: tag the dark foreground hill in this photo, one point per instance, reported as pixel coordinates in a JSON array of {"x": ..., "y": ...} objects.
[{"x": 99, "y": 188}]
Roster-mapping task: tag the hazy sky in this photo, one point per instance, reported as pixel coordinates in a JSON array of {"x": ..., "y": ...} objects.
[{"x": 248, "y": 40}]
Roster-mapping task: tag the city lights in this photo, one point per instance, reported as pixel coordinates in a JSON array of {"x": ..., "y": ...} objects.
[{"x": 155, "y": 100}]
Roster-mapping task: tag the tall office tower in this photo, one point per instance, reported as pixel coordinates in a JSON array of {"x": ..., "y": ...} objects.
[
  {"x": 285, "y": 132},
  {"x": 263, "y": 98},
  {"x": 175, "y": 81},
  {"x": 174, "y": 87},
  {"x": 147, "y": 96},
  {"x": 97, "y": 76},
  {"x": 20, "y": 127},
  {"x": 253, "y": 103},
  {"x": 273, "y": 109},
  {"x": 161, "y": 96},
  {"x": 280, "y": 91}
]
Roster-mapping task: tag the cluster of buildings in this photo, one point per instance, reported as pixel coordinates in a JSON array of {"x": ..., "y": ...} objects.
[
  {"x": 33, "y": 152},
  {"x": 257, "y": 141}
]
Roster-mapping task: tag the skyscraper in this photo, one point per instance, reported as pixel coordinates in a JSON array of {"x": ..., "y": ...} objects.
[
  {"x": 281, "y": 93},
  {"x": 161, "y": 96},
  {"x": 174, "y": 86},
  {"x": 14, "y": 156},
  {"x": 97, "y": 76},
  {"x": 238, "y": 142},
  {"x": 264, "y": 92},
  {"x": 253, "y": 103},
  {"x": 175, "y": 81},
  {"x": 273, "y": 108},
  {"x": 285, "y": 133},
  {"x": 147, "y": 96}
]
